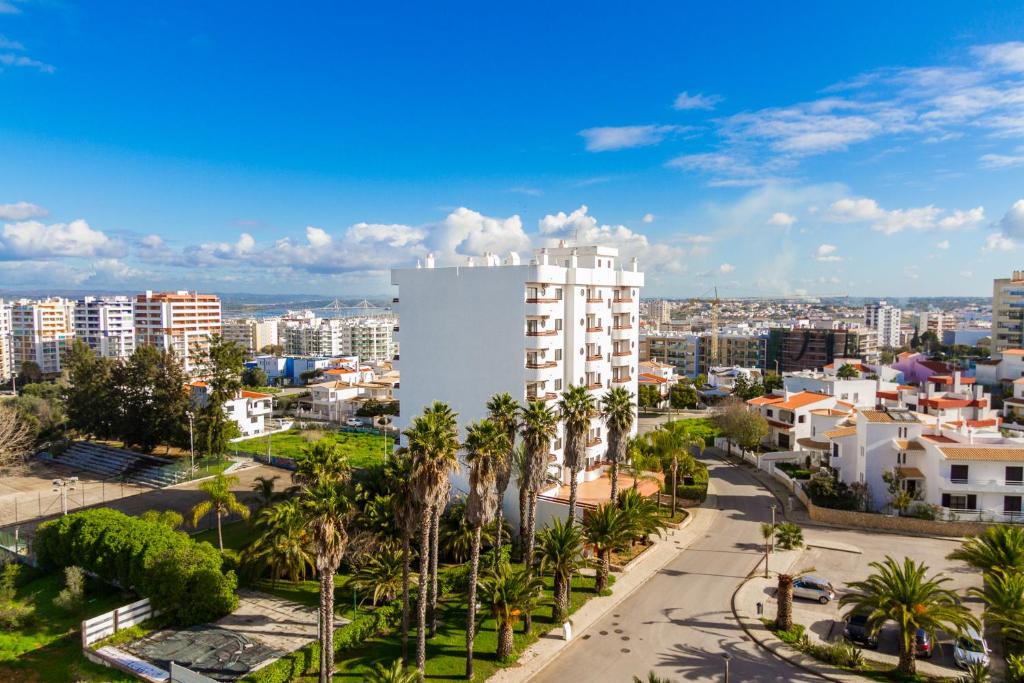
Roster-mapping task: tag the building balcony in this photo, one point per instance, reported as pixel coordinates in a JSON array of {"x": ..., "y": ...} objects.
[
  {"x": 625, "y": 326},
  {"x": 542, "y": 300},
  {"x": 594, "y": 330},
  {"x": 541, "y": 333},
  {"x": 594, "y": 300},
  {"x": 596, "y": 441},
  {"x": 594, "y": 357},
  {"x": 622, "y": 354},
  {"x": 545, "y": 396},
  {"x": 541, "y": 364},
  {"x": 622, "y": 306},
  {"x": 982, "y": 486},
  {"x": 621, "y": 379},
  {"x": 595, "y": 385}
]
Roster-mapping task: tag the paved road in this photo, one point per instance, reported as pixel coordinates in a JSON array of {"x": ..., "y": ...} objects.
[{"x": 680, "y": 623}]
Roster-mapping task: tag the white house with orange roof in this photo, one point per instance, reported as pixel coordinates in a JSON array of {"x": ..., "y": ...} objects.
[
  {"x": 789, "y": 416},
  {"x": 660, "y": 375},
  {"x": 858, "y": 392},
  {"x": 1001, "y": 371},
  {"x": 249, "y": 410}
]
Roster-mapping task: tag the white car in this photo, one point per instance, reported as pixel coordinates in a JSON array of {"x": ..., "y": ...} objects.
[
  {"x": 970, "y": 648},
  {"x": 814, "y": 588},
  {"x": 354, "y": 422}
]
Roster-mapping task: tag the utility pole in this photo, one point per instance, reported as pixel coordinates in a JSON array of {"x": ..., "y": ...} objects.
[
  {"x": 191, "y": 443},
  {"x": 773, "y": 527},
  {"x": 726, "y": 656},
  {"x": 63, "y": 486}
]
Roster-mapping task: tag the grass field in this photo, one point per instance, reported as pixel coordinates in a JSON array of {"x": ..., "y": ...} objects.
[
  {"x": 48, "y": 648},
  {"x": 362, "y": 450}
]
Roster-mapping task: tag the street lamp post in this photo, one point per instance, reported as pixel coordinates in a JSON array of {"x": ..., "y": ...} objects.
[
  {"x": 773, "y": 527},
  {"x": 191, "y": 443},
  {"x": 63, "y": 486},
  {"x": 726, "y": 657}
]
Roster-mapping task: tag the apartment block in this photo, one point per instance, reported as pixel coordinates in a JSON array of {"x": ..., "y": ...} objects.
[
  {"x": 252, "y": 334},
  {"x": 181, "y": 321},
  {"x": 370, "y": 338},
  {"x": 659, "y": 311},
  {"x": 106, "y": 324},
  {"x": 6, "y": 363},
  {"x": 678, "y": 349},
  {"x": 1008, "y": 312},
  {"x": 812, "y": 349},
  {"x": 41, "y": 332},
  {"x": 568, "y": 317},
  {"x": 885, "y": 320}
]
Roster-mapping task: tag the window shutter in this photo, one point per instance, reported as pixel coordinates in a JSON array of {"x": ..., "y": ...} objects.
[
  {"x": 945, "y": 500},
  {"x": 972, "y": 501}
]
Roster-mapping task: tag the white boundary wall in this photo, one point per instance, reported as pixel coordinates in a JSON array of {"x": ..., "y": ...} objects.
[{"x": 110, "y": 623}]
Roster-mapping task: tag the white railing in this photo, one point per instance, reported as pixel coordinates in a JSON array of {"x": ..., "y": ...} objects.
[{"x": 108, "y": 624}]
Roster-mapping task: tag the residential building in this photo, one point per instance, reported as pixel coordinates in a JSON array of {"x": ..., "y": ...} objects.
[
  {"x": 181, "y": 321},
  {"x": 917, "y": 367},
  {"x": 885, "y": 320},
  {"x": 252, "y": 334},
  {"x": 660, "y": 311},
  {"x": 369, "y": 338},
  {"x": 791, "y": 350},
  {"x": 41, "y": 332},
  {"x": 789, "y": 416},
  {"x": 858, "y": 391},
  {"x": 968, "y": 336},
  {"x": 660, "y": 375},
  {"x": 249, "y": 410},
  {"x": 291, "y": 370},
  {"x": 1008, "y": 312},
  {"x": 1002, "y": 370},
  {"x": 678, "y": 349},
  {"x": 106, "y": 324},
  {"x": 568, "y": 317},
  {"x": 6, "y": 362},
  {"x": 735, "y": 349},
  {"x": 934, "y": 321}
]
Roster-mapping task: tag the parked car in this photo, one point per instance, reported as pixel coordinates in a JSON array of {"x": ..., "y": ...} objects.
[
  {"x": 354, "y": 422},
  {"x": 857, "y": 631},
  {"x": 970, "y": 648},
  {"x": 814, "y": 588},
  {"x": 924, "y": 644}
]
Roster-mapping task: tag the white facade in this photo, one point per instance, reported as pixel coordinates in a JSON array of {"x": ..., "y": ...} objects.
[
  {"x": 106, "y": 324},
  {"x": 1008, "y": 368},
  {"x": 885, "y": 320},
  {"x": 249, "y": 410},
  {"x": 569, "y": 317},
  {"x": 369, "y": 338},
  {"x": 789, "y": 416},
  {"x": 252, "y": 334},
  {"x": 6, "y": 363},
  {"x": 41, "y": 332},
  {"x": 859, "y": 392},
  {"x": 177, "y": 321},
  {"x": 660, "y": 311}
]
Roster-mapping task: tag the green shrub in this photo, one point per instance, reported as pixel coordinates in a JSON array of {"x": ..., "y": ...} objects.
[
  {"x": 14, "y": 613},
  {"x": 183, "y": 578},
  {"x": 72, "y": 597}
]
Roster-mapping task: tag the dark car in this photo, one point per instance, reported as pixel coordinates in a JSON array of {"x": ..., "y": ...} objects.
[
  {"x": 925, "y": 648},
  {"x": 857, "y": 631}
]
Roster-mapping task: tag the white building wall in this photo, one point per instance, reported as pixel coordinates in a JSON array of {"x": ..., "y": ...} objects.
[{"x": 106, "y": 324}]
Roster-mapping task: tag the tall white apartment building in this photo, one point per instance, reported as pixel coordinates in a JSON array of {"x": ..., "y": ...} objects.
[
  {"x": 370, "y": 338},
  {"x": 885, "y": 320},
  {"x": 6, "y": 364},
  {"x": 660, "y": 311},
  {"x": 934, "y": 321},
  {"x": 252, "y": 334},
  {"x": 568, "y": 317},
  {"x": 180, "y": 321},
  {"x": 41, "y": 331},
  {"x": 106, "y": 324},
  {"x": 1008, "y": 312}
]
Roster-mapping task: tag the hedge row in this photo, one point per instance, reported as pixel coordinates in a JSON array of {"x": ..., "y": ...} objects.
[{"x": 181, "y": 577}]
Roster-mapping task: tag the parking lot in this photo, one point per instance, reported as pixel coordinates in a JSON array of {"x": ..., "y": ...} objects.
[{"x": 844, "y": 556}]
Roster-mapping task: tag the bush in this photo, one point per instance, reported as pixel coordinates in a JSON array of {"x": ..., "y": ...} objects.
[
  {"x": 183, "y": 578},
  {"x": 72, "y": 597},
  {"x": 14, "y": 613}
]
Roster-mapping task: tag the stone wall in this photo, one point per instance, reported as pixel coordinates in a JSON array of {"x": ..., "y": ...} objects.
[{"x": 903, "y": 525}]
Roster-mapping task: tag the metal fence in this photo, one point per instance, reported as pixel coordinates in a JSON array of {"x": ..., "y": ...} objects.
[{"x": 17, "y": 508}]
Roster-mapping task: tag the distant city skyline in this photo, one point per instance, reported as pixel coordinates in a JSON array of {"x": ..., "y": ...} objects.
[{"x": 237, "y": 148}]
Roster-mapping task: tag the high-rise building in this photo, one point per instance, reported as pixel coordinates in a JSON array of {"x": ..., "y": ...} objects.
[
  {"x": 690, "y": 352},
  {"x": 252, "y": 334},
  {"x": 660, "y": 311},
  {"x": 1008, "y": 312},
  {"x": 41, "y": 332},
  {"x": 934, "y": 321},
  {"x": 568, "y": 317},
  {"x": 106, "y": 324},
  {"x": 180, "y": 321},
  {"x": 6, "y": 363},
  {"x": 370, "y": 338},
  {"x": 811, "y": 349},
  {"x": 885, "y": 320}
]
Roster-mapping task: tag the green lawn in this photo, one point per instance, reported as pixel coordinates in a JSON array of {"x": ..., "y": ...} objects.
[
  {"x": 362, "y": 449},
  {"x": 237, "y": 535},
  {"x": 49, "y": 648}
]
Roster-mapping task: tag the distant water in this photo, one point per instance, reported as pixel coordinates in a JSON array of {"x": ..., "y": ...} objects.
[{"x": 324, "y": 308}]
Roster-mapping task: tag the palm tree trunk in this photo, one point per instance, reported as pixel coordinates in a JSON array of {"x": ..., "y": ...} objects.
[
  {"x": 531, "y": 536},
  {"x": 500, "y": 531},
  {"x": 784, "y": 615},
  {"x": 615, "y": 480},
  {"x": 560, "y": 608},
  {"x": 327, "y": 590},
  {"x": 572, "y": 494},
  {"x": 604, "y": 560},
  {"x": 421, "y": 602},
  {"x": 523, "y": 496},
  {"x": 908, "y": 653},
  {"x": 433, "y": 570},
  {"x": 675, "y": 489},
  {"x": 405, "y": 595},
  {"x": 474, "y": 567},
  {"x": 504, "y": 640},
  {"x": 220, "y": 535}
]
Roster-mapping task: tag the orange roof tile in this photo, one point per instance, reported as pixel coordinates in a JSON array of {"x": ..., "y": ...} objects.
[
  {"x": 804, "y": 398},
  {"x": 765, "y": 400},
  {"x": 646, "y": 378},
  {"x": 982, "y": 452},
  {"x": 841, "y": 432},
  {"x": 254, "y": 394}
]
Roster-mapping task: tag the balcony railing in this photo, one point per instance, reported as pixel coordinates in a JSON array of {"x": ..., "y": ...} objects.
[
  {"x": 620, "y": 354},
  {"x": 595, "y": 329},
  {"x": 540, "y": 365},
  {"x": 541, "y": 300},
  {"x": 546, "y": 396},
  {"x": 594, "y": 299},
  {"x": 541, "y": 333},
  {"x": 627, "y": 300},
  {"x": 621, "y": 380},
  {"x": 627, "y": 326},
  {"x": 594, "y": 442},
  {"x": 595, "y": 356}
]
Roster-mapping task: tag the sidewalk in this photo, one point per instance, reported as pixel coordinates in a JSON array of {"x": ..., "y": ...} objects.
[{"x": 552, "y": 643}]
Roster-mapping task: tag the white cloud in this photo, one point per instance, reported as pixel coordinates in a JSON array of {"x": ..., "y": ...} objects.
[
  {"x": 685, "y": 100},
  {"x": 1006, "y": 56},
  {"x": 469, "y": 232},
  {"x": 32, "y": 239},
  {"x": 648, "y": 218},
  {"x": 864, "y": 210},
  {"x": 725, "y": 169},
  {"x": 20, "y": 211},
  {"x": 782, "y": 219},
  {"x": 610, "y": 138},
  {"x": 944, "y": 245},
  {"x": 1012, "y": 223},
  {"x": 1001, "y": 160},
  {"x": 7, "y": 44},
  {"x": 318, "y": 237},
  {"x": 827, "y": 253},
  {"x": 726, "y": 268},
  {"x": 10, "y": 59},
  {"x": 998, "y": 242},
  {"x": 527, "y": 190}
]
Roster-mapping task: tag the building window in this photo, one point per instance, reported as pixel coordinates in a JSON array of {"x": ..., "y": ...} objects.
[
  {"x": 801, "y": 419},
  {"x": 1011, "y": 504},
  {"x": 958, "y": 473},
  {"x": 770, "y": 412},
  {"x": 1014, "y": 475},
  {"x": 959, "y": 501},
  {"x": 558, "y": 385},
  {"x": 558, "y": 323},
  {"x": 558, "y": 354}
]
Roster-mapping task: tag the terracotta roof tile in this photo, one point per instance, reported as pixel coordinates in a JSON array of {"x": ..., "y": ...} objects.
[
  {"x": 982, "y": 452},
  {"x": 841, "y": 432}
]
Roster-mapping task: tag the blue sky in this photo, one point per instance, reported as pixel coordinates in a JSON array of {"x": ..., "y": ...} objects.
[{"x": 767, "y": 150}]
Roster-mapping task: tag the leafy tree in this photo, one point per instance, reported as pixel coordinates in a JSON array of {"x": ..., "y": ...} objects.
[
  {"x": 88, "y": 398},
  {"x": 374, "y": 408},
  {"x": 149, "y": 397},
  {"x": 899, "y": 497},
  {"x": 281, "y": 543},
  {"x": 618, "y": 412},
  {"x": 560, "y": 547},
  {"x": 772, "y": 382},
  {"x": 847, "y": 371},
  {"x": 30, "y": 373},
  {"x": 221, "y": 365},
  {"x": 904, "y": 593},
  {"x": 915, "y": 341},
  {"x": 254, "y": 377},
  {"x": 486, "y": 446},
  {"x": 1003, "y": 595},
  {"x": 999, "y": 547},
  {"x": 220, "y": 501},
  {"x": 273, "y": 350},
  {"x": 508, "y": 594},
  {"x": 682, "y": 396},
  {"x": 648, "y": 396},
  {"x": 607, "y": 528},
  {"x": 16, "y": 435},
  {"x": 504, "y": 410},
  {"x": 72, "y": 597},
  {"x": 930, "y": 340},
  {"x": 13, "y": 612},
  {"x": 393, "y": 673},
  {"x": 167, "y": 518},
  {"x": 576, "y": 407}
]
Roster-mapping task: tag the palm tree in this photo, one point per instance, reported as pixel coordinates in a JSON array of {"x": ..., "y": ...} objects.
[
  {"x": 539, "y": 427},
  {"x": 640, "y": 457},
  {"x": 521, "y": 470},
  {"x": 618, "y": 412},
  {"x": 790, "y": 537},
  {"x": 560, "y": 546},
  {"x": 406, "y": 518},
  {"x": 382, "y": 574},
  {"x": 999, "y": 547},
  {"x": 221, "y": 501},
  {"x": 457, "y": 534},
  {"x": 1003, "y": 595},
  {"x": 486, "y": 449},
  {"x": 576, "y": 407},
  {"x": 976, "y": 673},
  {"x": 672, "y": 442},
  {"x": 446, "y": 419},
  {"x": 282, "y": 542},
  {"x": 264, "y": 489},
  {"x": 607, "y": 528},
  {"x": 508, "y": 594},
  {"x": 320, "y": 462},
  {"x": 768, "y": 534},
  {"x": 642, "y": 513},
  {"x": 326, "y": 505},
  {"x": 433, "y": 444},
  {"x": 504, "y": 410},
  {"x": 905, "y": 594},
  {"x": 395, "y": 673},
  {"x": 652, "y": 678}
]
